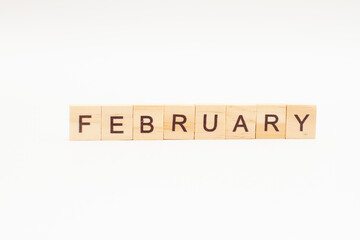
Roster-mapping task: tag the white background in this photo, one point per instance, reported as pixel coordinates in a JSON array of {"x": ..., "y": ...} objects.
[{"x": 56, "y": 53}]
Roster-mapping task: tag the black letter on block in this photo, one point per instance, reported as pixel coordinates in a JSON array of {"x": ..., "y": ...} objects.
[
  {"x": 215, "y": 123},
  {"x": 112, "y": 124},
  {"x": 180, "y": 123},
  {"x": 81, "y": 123},
  {"x": 147, "y": 124},
  {"x": 301, "y": 122},
  {"x": 240, "y": 118},
  {"x": 272, "y": 123}
]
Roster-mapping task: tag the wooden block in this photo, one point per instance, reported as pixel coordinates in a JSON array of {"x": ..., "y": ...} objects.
[
  {"x": 271, "y": 121},
  {"x": 117, "y": 122},
  {"x": 240, "y": 121},
  {"x": 148, "y": 122},
  {"x": 210, "y": 121},
  {"x": 179, "y": 122},
  {"x": 85, "y": 122},
  {"x": 301, "y": 121}
]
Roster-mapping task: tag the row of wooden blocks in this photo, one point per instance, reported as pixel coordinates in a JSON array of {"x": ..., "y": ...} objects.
[{"x": 157, "y": 122}]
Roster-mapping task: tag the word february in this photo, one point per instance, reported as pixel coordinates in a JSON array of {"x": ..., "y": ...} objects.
[{"x": 157, "y": 122}]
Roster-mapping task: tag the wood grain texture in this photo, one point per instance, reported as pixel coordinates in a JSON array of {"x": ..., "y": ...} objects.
[
  {"x": 117, "y": 122},
  {"x": 271, "y": 121},
  {"x": 301, "y": 121},
  {"x": 179, "y": 122},
  {"x": 157, "y": 122},
  {"x": 148, "y": 122},
  {"x": 210, "y": 121},
  {"x": 240, "y": 121},
  {"x": 85, "y": 123}
]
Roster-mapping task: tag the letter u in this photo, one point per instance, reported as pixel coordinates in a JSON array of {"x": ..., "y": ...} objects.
[{"x": 215, "y": 123}]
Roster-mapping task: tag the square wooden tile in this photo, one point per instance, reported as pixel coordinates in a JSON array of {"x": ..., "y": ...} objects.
[
  {"x": 148, "y": 122},
  {"x": 240, "y": 121},
  {"x": 210, "y": 121},
  {"x": 85, "y": 122},
  {"x": 271, "y": 121},
  {"x": 117, "y": 122},
  {"x": 301, "y": 121},
  {"x": 179, "y": 122}
]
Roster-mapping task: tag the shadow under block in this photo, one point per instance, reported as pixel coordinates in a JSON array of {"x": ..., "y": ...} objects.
[
  {"x": 148, "y": 122},
  {"x": 240, "y": 121},
  {"x": 179, "y": 122},
  {"x": 85, "y": 123},
  {"x": 210, "y": 122},
  {"x": 271, "y": 121},
  {"x": 300, "y": 121},
  {"x": 117, "y": 122}
]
